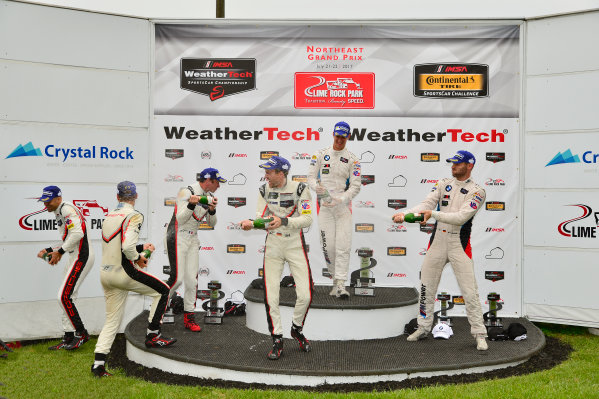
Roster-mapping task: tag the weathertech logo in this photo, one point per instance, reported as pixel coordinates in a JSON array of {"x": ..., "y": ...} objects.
[
  {"x": 218, "y": 78},
  {"x": 494, "y": 275},
  {"x": 173, "y": 153},
  {"x": 396, "y": 251},
  {"x": 268, "y": 154},
  {"x": 236, "y": 202},
  {"x": 430, "y": 157},
  {"x": 364, "y": 228},
  {"x": 494, "y": 230},
  {"x": 367, "y": 179},
  {"x": 397, "y": 203},
  {"x": 332, "y": 90},
  {"x": 451, "y": 80},
  {"x": 580, "y": 231},
  {"x": 495, "y": 206},
  {"x": 235, "y": 248},
  {"x": 495, "y": 157}
]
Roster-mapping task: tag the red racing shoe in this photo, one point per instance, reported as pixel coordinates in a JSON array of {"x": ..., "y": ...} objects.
[
  {"x": 190, "y": 322},
  {"x": 158, "y": 341}
]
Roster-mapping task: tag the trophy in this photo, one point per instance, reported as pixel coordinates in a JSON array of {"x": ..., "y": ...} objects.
[
  {"x": 361, "y": 279},
  {"x": 214, "y": 314},
  {"x": 444, "y": 297},
  {"x": 491, "y": 319}
]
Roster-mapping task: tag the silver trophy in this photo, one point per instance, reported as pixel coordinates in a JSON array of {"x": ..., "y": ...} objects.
[
  {"x": 214, "y": 314},
  {"x": 491, "y": 319},
  {"x": 446, "y": 304},
  {"x": 362, "y": 279}
]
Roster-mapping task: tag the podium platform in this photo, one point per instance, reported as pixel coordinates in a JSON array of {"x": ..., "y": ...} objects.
[{"x": 234, "y": 352}]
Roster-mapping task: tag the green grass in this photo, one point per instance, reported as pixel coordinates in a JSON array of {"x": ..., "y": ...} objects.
[{"x": 33, "y": 372}]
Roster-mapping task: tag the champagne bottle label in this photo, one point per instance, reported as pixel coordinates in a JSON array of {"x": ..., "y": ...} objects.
[
  {"x": 414, "y": 217},
  {"x": 261, "y": 223},
  {"x": 146, "y": 253}
]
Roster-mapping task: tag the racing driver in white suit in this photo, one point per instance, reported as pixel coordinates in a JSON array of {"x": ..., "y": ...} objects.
[
  {"x": 457, "y": 200},
  {"x": 336, "y": 171}
]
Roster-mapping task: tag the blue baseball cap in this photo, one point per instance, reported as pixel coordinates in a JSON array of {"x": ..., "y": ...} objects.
[
  {"x": 126, "y": 189},
  {"x": 276, "y": 162},
  {"x": 211, "y": 173},
  {"x": 462, "y": 156},
  {"x": 341, "y": 129},
  {"x": 50, "y": 192}
]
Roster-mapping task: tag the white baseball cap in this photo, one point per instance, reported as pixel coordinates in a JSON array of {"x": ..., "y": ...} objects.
[{"x": 442, "y": 330}]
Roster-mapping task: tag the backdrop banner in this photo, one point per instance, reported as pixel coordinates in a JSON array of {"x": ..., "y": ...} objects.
[{"x": 230, "y": 98}]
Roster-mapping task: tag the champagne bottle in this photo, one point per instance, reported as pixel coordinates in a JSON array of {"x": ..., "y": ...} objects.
[
  {"x": 413, "y": 217},
  {"x": 261, "y": 223},
  {"x": 205, "y": 199},
  {"x": 146, "y": 253},
  {"x": 46, "y": 257},
  {"x": 324, "y": 197}
]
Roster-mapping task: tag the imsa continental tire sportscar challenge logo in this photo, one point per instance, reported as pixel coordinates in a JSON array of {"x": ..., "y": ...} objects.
[
  {"x": 364, "y": 228},
  {"x": 235, "y": 248},
  {"x": 495, "y": 206},
  {"x": 451, "y": 80},
  {"x": 430, "y": 157},
  {"x": 396, "y": 251},
  {"x": 218, "y": 77}
]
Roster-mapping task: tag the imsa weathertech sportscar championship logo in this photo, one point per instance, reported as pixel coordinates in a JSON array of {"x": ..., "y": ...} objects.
[
  {"x": 430, "y": 157},
  {"x": 173, "y": 153},
  {"x": 236, "y": 202},
  {"x": 495, "y": 156},
  {"x": 396, "y": 251},
  {"x": 397, "y": 203},
  {"x": 495, "y": 206},
  {"x": 494, "y": 275},
  {"x": 218, "y": 77},
  {"x": 364, "y": 228},
  {"x": 367, "y": 179},
  {"x": 451, "y": 80},
  {"x": 326, "y": 90},
  {"x": 235, "y": 248}
]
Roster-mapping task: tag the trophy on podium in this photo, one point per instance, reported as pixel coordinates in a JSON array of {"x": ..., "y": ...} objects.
[
  {"x": 361, "y": 279},
  {"x": 444, "y": 297},
  {"x": 214, "y": 314},
  {"x": 491, "y": 319}
]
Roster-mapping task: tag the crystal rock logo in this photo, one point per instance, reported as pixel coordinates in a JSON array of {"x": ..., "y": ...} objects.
[
  {"x": 27, "y": 150},
  {"x": 64, "y": 153},
  {"x": 568, "y": 157},
  {"x": 580, "y": 231}
]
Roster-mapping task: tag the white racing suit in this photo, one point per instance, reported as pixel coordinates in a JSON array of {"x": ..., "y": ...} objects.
[
  {"x": 338, "y": 172},
  {"x": 292, "y": 202},
  {"x": 457, "y": 203},
  {"x": 182, "y": 244},
  {"x": 119, "y": 274},
  {"x": 73, "y": 230}
]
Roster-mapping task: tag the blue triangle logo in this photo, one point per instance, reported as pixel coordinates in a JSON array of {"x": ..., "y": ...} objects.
[
  {"x": 565, "y": 157},
  {"x": 27, "y": 150}
]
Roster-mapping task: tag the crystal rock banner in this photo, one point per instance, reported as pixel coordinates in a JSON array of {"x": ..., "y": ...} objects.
[{"x": 231, "y": 97}]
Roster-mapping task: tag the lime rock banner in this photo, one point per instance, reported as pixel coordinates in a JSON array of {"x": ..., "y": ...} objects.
[{"x": 231, "y": 96}]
